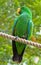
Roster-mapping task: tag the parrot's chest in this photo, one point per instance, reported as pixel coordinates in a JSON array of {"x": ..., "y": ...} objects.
[{"x": 21, "y": 29}]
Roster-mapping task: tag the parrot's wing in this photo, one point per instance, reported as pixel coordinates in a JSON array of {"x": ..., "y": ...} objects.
[
  {"x": 14, "y": 25},
  {"x": 30, "y": 29},
  {"x": 13, "y": 33}
]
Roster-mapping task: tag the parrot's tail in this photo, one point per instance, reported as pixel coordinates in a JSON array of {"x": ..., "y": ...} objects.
[{"x": 17, "y": 58}]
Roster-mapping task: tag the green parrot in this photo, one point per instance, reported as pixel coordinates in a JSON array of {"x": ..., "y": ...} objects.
[{"x": 23, "y": 28}]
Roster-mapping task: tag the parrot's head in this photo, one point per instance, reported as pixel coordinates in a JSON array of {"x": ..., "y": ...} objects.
[{"x": 24, "y": 9}]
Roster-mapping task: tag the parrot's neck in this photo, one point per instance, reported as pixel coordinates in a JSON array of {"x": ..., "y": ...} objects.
[{"x": 27, "y": 14}]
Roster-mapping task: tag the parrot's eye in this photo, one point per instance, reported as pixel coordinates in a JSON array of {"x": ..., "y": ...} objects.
[{"x": 18, "y": 10}]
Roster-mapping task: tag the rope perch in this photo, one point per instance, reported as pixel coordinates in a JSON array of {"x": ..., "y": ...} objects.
[{"x": 20, "y": 40}]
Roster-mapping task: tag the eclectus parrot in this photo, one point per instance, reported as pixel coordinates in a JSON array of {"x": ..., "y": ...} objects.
[{"x": 23, "y": 28}]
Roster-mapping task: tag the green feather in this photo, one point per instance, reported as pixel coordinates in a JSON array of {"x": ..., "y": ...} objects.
[{"x": 23, "y": 26}]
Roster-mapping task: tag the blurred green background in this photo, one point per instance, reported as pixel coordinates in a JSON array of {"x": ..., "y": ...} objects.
[{"x": 8, "y": 8}]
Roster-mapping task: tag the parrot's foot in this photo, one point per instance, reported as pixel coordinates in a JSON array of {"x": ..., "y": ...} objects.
[
  {"x": 16, "y": 37},
  {"x": 17, "y": 58}
]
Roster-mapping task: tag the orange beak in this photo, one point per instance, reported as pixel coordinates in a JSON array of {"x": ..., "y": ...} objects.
[{"x": 18, "y": 10}]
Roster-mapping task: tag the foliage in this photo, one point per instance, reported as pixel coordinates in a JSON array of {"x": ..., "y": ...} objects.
[{"x": 8, "y": 10}]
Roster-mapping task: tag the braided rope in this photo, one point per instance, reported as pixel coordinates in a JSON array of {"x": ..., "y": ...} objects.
[{"x": 20, "y": 40}]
